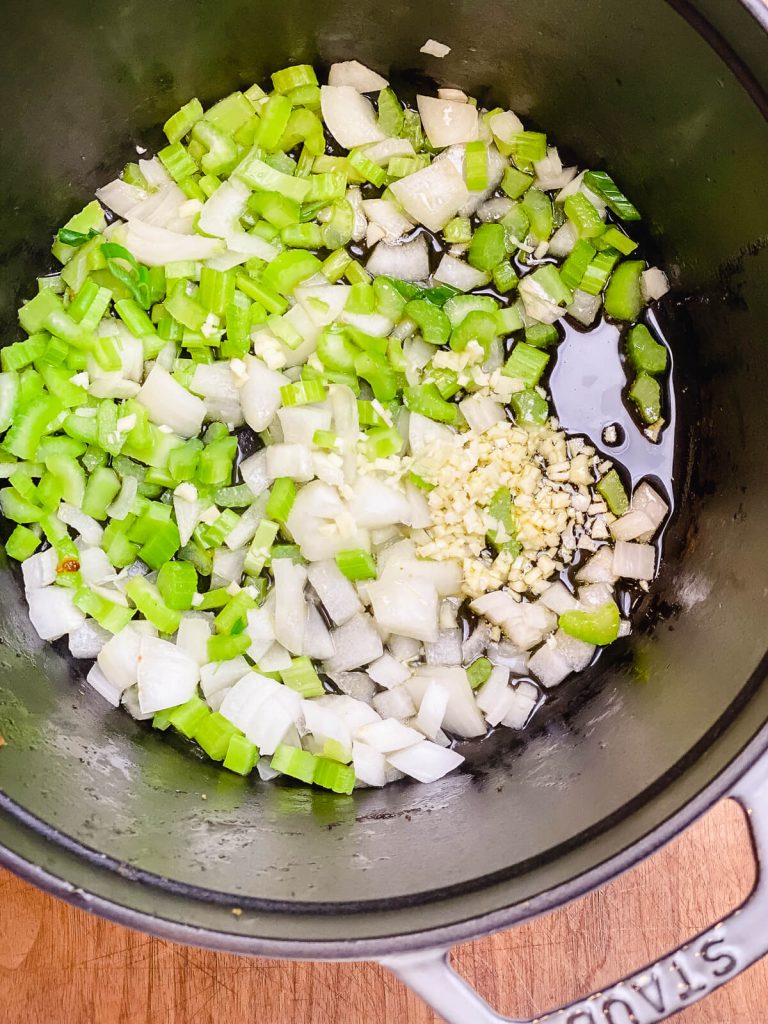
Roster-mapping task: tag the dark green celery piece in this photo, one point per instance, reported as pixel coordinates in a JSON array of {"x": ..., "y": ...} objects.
[
  {"x": 645, "y": 392},
  {"x": 644, "y": 352}
]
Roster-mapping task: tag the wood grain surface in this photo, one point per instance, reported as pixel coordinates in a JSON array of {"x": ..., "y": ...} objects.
[{"x": 63, "y": 966}]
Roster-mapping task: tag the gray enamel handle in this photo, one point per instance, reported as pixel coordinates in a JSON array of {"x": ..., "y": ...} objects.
[{"x": 653, "y": 994}]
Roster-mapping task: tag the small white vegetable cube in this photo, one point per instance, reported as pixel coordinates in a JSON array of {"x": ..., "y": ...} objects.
[
  {"x": 348, "y": 116},
  {"x": 361, "y": 78},
  {"x": 647, "y": 500},
  {"x": 409, "y": 260},
  {"x": 432, "y": 709},
  {"x": 290, "y": 606},
  {"x": 388, "y": 735},
  {"x": 524, "y": 699},
  {"x": 558, "y": 598},
  {"x": 407, "y": 607},
  {"x": 395, "y": 703},
  {"x": 244, "y": 696},
  {"x": 446, "y": 650},
  {"x": 356, "y": 643},
  {"x": 549, "y": 664},
  {"x": 168, "y": 403},
  {"x": 53, "y": 613},
  {"x": 369, "y": 764},
  {"x": 426, "y": 761},
  {"x": 432, "y": 195},
  {"x": 260, "y": 394},
  {"x": 87, "y": 641},
  {"x": 102, "y": 686},
  {"x": 577, "y": 652},
  {"x": 447, "y": 122},
  {"x": 318, "y": 642},
  {"x": 634, "y": 561},
  {"x": 326, "y": 724},
  {"x": 336, "y": 592},
  {"x": 193, "y": 635},
  {"x": 167, "y": 675},
  {"x": 119, "y": 657},
  {"x": 462, "y": 716},
  {"x": 40, "y": 570},
  {"x": 221, "y": 675},
  {"x": 388, "y": 671}
]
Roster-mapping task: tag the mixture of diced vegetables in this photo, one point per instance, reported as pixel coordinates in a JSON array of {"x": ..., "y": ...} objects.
[{"x": 278, "y": 448}]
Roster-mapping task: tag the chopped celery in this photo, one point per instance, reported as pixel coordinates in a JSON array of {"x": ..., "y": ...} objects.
[
  {"x": 599, "y": 626},
  {"x": 478, "y": 672},
  {"x": 644, "y": 352},
  {"x": 623, "y": 297},
  {"x": 611, "y": 489},
  {"x": 302, "y": 677},
  {"x": 526, "y": 363},
  {"x": 241, "y": 755},
  {"x": 645, "y": 392},
  {"x": 295, "y": 762},
  {"x": 357, "y": 564},
  {"x": 213, "y": 734}
]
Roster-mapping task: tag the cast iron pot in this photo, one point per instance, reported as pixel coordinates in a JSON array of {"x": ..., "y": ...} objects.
[{"x": 102, "y": 812}]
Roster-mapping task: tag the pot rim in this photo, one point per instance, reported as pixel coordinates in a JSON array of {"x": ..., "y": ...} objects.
[{"x": 442, "y": 936}]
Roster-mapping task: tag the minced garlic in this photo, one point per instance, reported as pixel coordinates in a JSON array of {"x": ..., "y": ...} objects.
[{"x": 548, "y": 477}]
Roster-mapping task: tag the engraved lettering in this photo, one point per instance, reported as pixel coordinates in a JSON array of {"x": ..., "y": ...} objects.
[
  {"x": 580, "y": 1017},
  {"x": 626, "y": 1018},
  {"x": 686, "y": 988},
  {"x": 651, "y": 992},
  {"x": 726, "y": 959}
]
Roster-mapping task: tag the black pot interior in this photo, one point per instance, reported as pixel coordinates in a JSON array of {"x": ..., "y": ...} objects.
[{"x": 632, "y": 87}]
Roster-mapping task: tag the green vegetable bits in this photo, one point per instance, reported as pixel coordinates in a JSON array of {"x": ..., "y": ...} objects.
[{"x": 230, "y": 292}]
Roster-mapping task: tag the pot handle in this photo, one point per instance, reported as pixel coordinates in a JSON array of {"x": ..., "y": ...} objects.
[{"x": 657, "y": 991}]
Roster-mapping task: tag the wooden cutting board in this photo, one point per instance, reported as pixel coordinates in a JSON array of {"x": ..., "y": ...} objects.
[{"x": 62, "y": 966}]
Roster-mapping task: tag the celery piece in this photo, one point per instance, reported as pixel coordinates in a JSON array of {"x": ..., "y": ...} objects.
[
  {"x": 241, "y": 755},
  {"x": 478, "y": 672},
  {"x": 605, "y": 187},
  {"x": 188, "y": 717},
  {"x": 611, "y": 490},
  {"x": 487, "y": 248},
  {"x": 302, "y": 677},
  {"x": 357, "y": 564},
  {"x": 623, "y": 297},
  {"x": 526, "y": 363},
  {"x": 177, "y": 583},
  {"x": 426, "y": 400},
  {"x": 213, "y": 734},
  {"x": 645, "y": 392},
  {"x": 645, "y": 353},
  {"x": 294, "y": 762},
  {"x": 22, "y": 543},
  {"x": 528, "y": 406},
  {"x": 331, "y": 774},
  {"x": 599, "y": 626}
]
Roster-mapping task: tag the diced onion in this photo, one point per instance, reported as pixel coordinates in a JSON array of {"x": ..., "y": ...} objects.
[
  {"x": 260, "y": 394},
  {"x": 408, "y": 261},
  {"x": 634, "y": 561},
  {"x": 121, "y": 197},
  {"x": 356, "y": 643},
  {"x": 349, "y": 116},
  {"x": 357, "y": 75},
  {"x": 446, "y": 122},
  {"x": 52, "y": 612},
  {"x": 166, "y": 675},
  {"x": 395, "y": 703},
  {"x": 435, "y": 48},
  {"x": 432, "y": 195},
  {"x": 168, "y": 403},
  {"x": 458, "y": 274}
]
